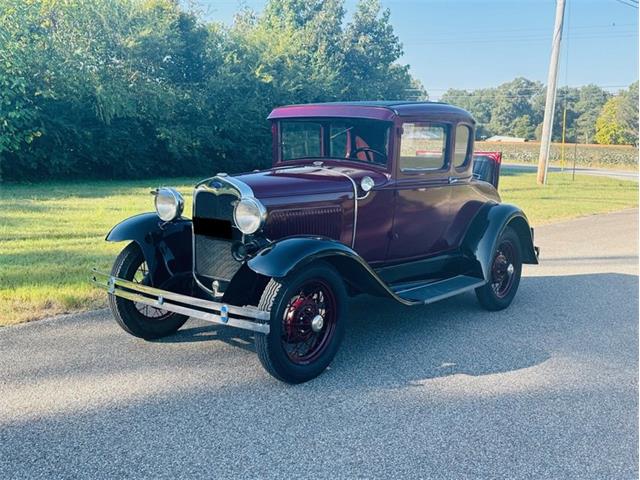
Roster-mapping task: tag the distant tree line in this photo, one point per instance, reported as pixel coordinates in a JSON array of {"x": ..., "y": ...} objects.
[
  {"x": 132, "y": 88},
  {"x": 516, "y": 108}
]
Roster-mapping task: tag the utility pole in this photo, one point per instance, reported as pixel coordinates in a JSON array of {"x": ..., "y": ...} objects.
[{"x": 549, "y": 107}]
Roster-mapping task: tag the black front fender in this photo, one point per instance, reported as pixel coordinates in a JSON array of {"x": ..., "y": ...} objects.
[
  {"x": 166, "y": 246},
  {"x": 292, "y": 254},
  {"x": 481, "y": 238}
]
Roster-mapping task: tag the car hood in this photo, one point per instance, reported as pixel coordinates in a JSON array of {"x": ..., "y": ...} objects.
[{"x": 306, "y": 179}]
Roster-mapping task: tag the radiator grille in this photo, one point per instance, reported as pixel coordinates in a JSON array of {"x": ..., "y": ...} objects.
[
  {"x": 324, "y": 221},
  {"x": 213, "y": 258},
  {"x": 213, "y": 235},
  {"x": 209, "y": 205}
]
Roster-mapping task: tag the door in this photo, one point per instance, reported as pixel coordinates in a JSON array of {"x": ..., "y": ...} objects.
[{"x": 422, "y": 192}]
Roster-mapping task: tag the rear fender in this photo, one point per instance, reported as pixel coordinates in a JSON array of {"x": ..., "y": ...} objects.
[
  {"x": 481, "y": 238},
  {"x": 166, "y": 246},
  {"x": 292, "y": 254}
]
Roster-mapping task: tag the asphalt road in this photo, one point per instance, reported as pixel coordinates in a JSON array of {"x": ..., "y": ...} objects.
[
  {"x": 545, "y": 389},
  {"x": 597, "y": 172}
]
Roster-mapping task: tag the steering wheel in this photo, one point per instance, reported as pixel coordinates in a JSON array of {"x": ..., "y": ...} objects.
[{"x": 368, "y": 153}]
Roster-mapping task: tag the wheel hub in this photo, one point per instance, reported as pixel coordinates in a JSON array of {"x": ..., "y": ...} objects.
[
  {"x": 309, "y": 322},
  {"x": 300, "y": 317},
  {"x": 317, "y": 323},
  {"x": 503, "y": 269}
]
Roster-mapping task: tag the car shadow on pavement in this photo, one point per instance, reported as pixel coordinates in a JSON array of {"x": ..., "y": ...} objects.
[
  {"x": 206, "y": 333},
  {"x": 389, "y": 344}
]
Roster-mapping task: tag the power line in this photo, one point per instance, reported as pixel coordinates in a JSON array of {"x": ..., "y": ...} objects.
[
  {"x": 535, "y": 30},
  {"x": 628, "y": 3},
  {"x": 526, "y": 91},
  {"x": 524, "y": 38}
]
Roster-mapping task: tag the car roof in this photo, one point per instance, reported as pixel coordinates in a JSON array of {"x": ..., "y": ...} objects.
[{"x": 378, "y": 110}]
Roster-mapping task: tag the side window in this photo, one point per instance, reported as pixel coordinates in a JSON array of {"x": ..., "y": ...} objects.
[
  {"x": 461, "y": 152},
  {"x": 422, "y": 147},
  {"x": 300, "y": 139}
]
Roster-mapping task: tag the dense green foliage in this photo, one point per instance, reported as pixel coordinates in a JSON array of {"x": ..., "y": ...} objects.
[
  {"x": 516, "y": 108},
  {"x": 132, "y": 88},
  {"x": 139, "y": 88}
]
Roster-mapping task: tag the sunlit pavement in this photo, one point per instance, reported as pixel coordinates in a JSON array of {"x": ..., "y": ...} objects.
[{"x": 545, "y": 389}]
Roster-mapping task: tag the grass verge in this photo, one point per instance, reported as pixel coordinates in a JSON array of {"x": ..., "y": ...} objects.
[{"x": 51, "y": 235}]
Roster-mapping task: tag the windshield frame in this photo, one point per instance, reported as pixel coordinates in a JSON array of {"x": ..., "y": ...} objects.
[{"x": 325, "y": 133}]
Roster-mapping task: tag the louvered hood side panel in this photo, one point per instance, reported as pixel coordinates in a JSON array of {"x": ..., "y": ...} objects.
[{"x": 322, "y": 221}]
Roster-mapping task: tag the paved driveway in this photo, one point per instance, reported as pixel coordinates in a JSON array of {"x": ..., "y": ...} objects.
[{"x": 546, "y": 389}]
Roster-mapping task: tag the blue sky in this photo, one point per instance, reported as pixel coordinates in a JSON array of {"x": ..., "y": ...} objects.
[{"x": 473, "y": 43}]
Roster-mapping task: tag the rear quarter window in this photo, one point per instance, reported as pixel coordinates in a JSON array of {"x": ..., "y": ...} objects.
[{"x": 462, "y": 149}]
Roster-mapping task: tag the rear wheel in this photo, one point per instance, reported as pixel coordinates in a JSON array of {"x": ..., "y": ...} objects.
[
  {"x": 140, "y": 319},
  {"x": 506, "y": 269},
  {"x": 306, "y": 325}
]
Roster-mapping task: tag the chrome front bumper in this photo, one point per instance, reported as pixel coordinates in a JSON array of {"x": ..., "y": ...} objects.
[{"x": 247, "y": 317}]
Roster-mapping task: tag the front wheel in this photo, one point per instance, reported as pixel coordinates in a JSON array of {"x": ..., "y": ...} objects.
[
  {"x": 506, "y": 269},
  {"x": 306, "y": 326},
  {"x": 140, "y": 319}
]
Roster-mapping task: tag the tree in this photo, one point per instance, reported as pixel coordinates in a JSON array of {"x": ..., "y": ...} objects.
[
  {"x": 513, "y": 100},
  {"x": 628, "y": 113},
  {"x": 609, "y": 130},
  {"x": 523, "y": 127},
  {"x": 479, "y": 103},
  {"x": 371, "y": 50},
  {"x": 618, "y": 119},
  {"x": 589, "y": 105}
]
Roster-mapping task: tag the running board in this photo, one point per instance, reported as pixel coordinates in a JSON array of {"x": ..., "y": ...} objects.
[{"x": 433, "y": 291}]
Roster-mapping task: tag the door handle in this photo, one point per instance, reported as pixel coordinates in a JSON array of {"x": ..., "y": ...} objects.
[{"x": 457, "y": 179}]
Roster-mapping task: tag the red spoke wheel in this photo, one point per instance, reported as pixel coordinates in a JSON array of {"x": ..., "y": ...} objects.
[
  {"x": 306, "y": 326},
  {"x": 506, "y": 269},
  {"x": 309, "y": 322},
  {"x": 140, "y": 319}
]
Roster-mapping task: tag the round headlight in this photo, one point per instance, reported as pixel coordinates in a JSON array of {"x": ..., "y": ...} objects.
[
  {"x": 169, "y": 203},
  {"x": 249, "y": 215}
]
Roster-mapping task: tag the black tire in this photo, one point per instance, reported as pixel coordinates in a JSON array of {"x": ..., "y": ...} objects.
[
  {"x": 506, "y": 270},
  {"x": 140, "y": 320},
  {"x": 285, "y": 298}
]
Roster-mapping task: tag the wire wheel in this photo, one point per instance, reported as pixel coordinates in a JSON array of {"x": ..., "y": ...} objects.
[
  {"x": 141, "y": 276},
  {"x": 309, "y": 322},
  {"x": 503, "y": 268}
]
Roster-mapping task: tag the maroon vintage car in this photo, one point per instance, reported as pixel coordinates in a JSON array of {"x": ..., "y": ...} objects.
[{"x": 379, "y": 198}]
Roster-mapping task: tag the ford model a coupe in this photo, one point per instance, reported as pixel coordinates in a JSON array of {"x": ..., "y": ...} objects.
[{"x": 380, "y": 198}]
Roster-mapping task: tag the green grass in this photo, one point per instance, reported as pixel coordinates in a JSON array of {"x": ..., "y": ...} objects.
[
  {"x": 563, "y": 198},
  {"x": 52, "y": 234}
]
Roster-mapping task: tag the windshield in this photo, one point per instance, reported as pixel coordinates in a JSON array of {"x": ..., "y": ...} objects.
[{"x": 350, "y": 139}]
